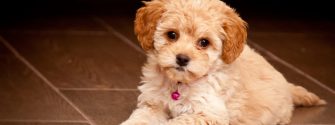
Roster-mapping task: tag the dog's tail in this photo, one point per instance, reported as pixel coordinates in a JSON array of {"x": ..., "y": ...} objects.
[{"x": 302, "y": 97}]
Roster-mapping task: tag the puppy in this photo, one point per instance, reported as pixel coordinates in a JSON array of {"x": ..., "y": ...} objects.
[{"x": 199, "y": 70}]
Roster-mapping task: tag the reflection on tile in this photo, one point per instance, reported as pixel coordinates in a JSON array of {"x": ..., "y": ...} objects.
[
  {"x": 308, "y": 45},
  {"x": 24, "y": 96},
  {"x": 82, "y": 61},
  {"x": 123, "y": 24},
  {"x": 311, "y": 53},
  {"x": 105, "y": 107}
]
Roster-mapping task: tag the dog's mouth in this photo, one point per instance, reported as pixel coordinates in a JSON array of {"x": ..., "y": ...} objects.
[
  {"x": 180, "y": 73},
  {"x": 181, "y": 69}
]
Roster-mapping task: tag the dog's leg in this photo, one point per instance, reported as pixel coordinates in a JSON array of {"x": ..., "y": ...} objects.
[
  {"x": 147, "y": 116},
  {"x": 302, "y": 97},
  {"x": 198, "y": 119},
  {"x": 207, "y": 113}
]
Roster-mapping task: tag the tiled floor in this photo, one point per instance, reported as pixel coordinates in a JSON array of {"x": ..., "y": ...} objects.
[{"x": 83, "y": 70}]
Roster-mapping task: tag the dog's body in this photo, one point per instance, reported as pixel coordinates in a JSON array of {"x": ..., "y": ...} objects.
[{"x": 218, "y": 78}]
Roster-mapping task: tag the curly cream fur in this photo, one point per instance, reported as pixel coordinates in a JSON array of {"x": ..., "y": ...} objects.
[{"x": 226, "y": 83}]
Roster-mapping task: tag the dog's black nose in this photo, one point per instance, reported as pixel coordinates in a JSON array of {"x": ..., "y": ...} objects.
[{"x": 182, "y": 60}]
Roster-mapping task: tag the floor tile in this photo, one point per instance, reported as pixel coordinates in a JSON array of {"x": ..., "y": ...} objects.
[
  {"x": 312, "y": 53},
  {"x": 31, "y": 123},
  {"x": 123, "y": 20},
  {"x": 105, "y": 107},
  {"x": 24, "y": 96},
  {"x": 310, "y": 115},
  {"x": 82, "y": 61},
  {"x": 307, "y": 44},
  {"x": 123, "y": 24},
  {"x": 52, "y": 22}
]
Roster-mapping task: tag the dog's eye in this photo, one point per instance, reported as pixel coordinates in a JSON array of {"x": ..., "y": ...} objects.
[
  {"x": 172, "y": 35},
  {"x": 203, "y": 43}
]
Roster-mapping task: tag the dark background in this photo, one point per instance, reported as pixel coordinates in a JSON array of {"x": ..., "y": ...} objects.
[{"x": 19, "y": 9}]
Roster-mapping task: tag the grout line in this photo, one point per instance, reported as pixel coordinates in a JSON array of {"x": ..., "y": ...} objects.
[
  {"x": 42, "y": 121},
  {"x": 45, "y": 80},
  {"x": 276, "y": 58},
  {"x": 96, "y": 89},
  {"x": 118, "y": 34}
]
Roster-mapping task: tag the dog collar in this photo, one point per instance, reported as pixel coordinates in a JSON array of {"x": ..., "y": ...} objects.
[{"x": 175, "y": 95}]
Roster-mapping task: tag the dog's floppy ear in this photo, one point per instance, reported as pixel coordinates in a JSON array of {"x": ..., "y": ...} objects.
[
  {"x": 235, "y": 36},
  {"x": 146, "y": 22}
]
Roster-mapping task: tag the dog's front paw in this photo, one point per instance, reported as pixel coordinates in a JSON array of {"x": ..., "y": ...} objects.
[{"x": 134, "y": 122}]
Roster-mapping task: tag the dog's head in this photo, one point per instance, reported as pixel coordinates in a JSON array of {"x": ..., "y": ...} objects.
[{"x": 189, "y": 36}]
